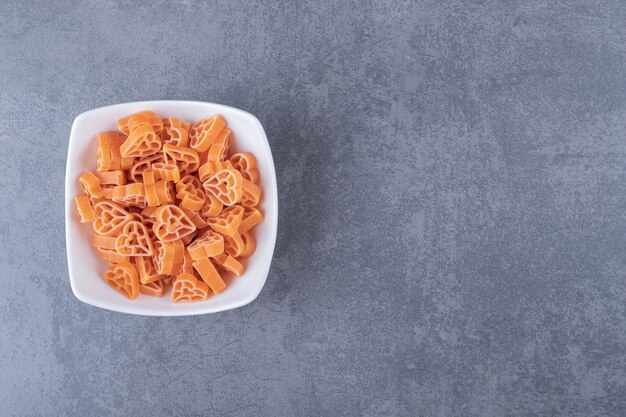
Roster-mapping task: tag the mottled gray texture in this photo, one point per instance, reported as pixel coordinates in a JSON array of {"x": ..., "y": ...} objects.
[{"x": 453, "y": 208}]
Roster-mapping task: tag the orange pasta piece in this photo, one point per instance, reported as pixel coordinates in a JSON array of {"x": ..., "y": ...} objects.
[
  {"x": 167, "y": 172},
  {"x": 126, "y": 124},
  {"x": 142, "y": 141},
  {"x": 233, "y": 245},
  {"x": 153, "y": 289},
  {"x": 103, "y": 152},
  {"x": 190, "y": 193},
  {"x": 136, "y": 215},
  {"x": 108, "y": 156},
  {"x": 110, "y": 218},
  {"x": 251, "y": 194},
  {"x": 122, "y": 125},
  {"x": 165, "y": 192},
  {"x": 149, "y": 212},
  {"x": 117, "y": 177},
  {"x": 83, "y": 205},
  {"x": 91, "y": 185},
  {"x": 137, "y": 120},
  {"x": 204, "y": 132},
  {"x": 249, "y": 243},
  {"x": 206, "y": 245},
  {"x": 123, "y": 278},
  {"x": 212, "y": 207},
  {"x": 186, "y": 159},
  {"x": 146, "y": 118},
  {"x": 108, "y": 194},
  {"x": 188, "y": 288},
  {"x": 228, "y": 263},
  {"x": 144, "y": 164},
  {"x": 251, "y": 217},
  {"x": 207, "y": 169},
  {"x": 147, "y": 270},
  {"x": 203, "y": 156},
  {"x": 134, "y": 240},
  {"x": 149, "y": 187},
  {"x": 228, "y": 221},
  {"x": 130, "y": 195},
  {"x": 172, "y": 224},
  {"x": 219, "y": 149},
  {"x": 115, "y": 142},
  {"x": 195, "y": 218},
  {"x": 168, "y": 256},
  {"x": 149, "y": 223},
  {"x": 187, "y": 265},
  {"x": 189, "y": 238},
  {"x": 175, "y": 132},
  {"x": 246, "y": 163},
  {"x": 209, "y": 274},
  {"x": 111, "y": 256},
  {"x": 104, "y": 242},
  {"x": 226, "y": 185},
  {"x": 94, "y": 200}
]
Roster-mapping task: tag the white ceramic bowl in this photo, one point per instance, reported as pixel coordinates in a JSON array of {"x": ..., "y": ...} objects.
[{"x": 86, "y": 268}]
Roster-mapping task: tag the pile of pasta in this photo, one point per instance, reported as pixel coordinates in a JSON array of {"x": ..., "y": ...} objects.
[{"x": 170, "y": 206}]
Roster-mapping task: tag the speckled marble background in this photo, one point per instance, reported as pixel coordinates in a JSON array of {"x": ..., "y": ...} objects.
[{"x": 453, "y": 208}]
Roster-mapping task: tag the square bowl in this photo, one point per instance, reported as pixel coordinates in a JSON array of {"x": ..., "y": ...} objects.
[{"x": 86, "y": 269}]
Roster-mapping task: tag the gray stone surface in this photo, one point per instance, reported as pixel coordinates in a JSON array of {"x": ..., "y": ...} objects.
[{"x": 452, "y": 192}]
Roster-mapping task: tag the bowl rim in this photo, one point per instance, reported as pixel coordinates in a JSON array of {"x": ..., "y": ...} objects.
[{"x": 68, "y": 214}]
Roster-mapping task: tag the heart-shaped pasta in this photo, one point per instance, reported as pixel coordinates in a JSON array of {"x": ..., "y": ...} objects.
[
  {"x": 251, "y": 217},
  {"x": 226, "y": 185},
  {"x": 85, "y": 210},
  {"x": 219, "y": 148},
  {"x": 246, "y": 163},
  {"x": 149, "y": 187},
  {"x": 134, "y": 240},
  {"x": 175, "y": 132},
  {"x": 185, "y": 158},
  {"x": 168, "y": 256},
  {"x": 109, "y": 218},
  {"x": 251, "y": 194},
  {"x": 146, "y": 117},
  {"x": 188, "y": 288},
  {"x": 144, "y": 164},
  {"x": 190, "y": 193},
  {"x": 204, "y": 132},
  {"x": 233, "y": 245},
  {"x": 130, "y": 195},
  {"x": 147, "y": 270},
  {"x": 195, "y": 218},
  {"x": 206, "y": 245},
  {"x": 123, "y": 278},
  {"x": 249, "y": 245},
  {"x": 167, "y": 172},
  {"x": 103, "y": 153},
  {"x": 153, "y": 288},
  {"x": 228, "y": 221},
  {"x": 212, "y": 207},
  {"x": 90, "y": 184},
  {"x": 142, "y": 142},
  {"x": 229, "y": 264},
  {"x": 209, "y": 274},
  {"x": 172, "y": 224},
  {"x": 108, "y": 156}
]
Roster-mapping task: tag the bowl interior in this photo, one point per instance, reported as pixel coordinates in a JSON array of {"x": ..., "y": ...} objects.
[{"x": 86, "y": 268}]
